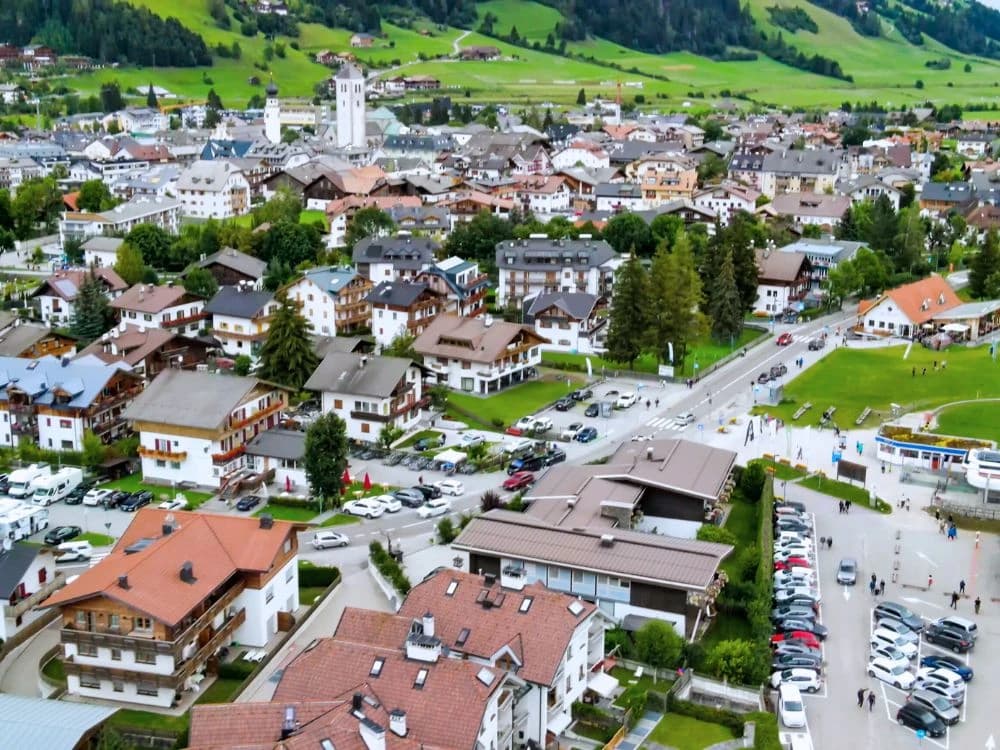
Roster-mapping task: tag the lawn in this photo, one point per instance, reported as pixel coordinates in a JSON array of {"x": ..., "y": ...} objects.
[
  {"x": 223, "y": 690},
  {"x": 340, "y": 519},
  {"x": 134, "y": 483},
  {"x": 780, "y": 470},
  {"x": 55, "y": 670},
  {"x": 422, "y": 435},
  {"x": 843, "y": 491},
  {"x": 686, "y": 733},
  {"x": 130, "y": 718},
  {"x": 97, "y": 540},
  {"x": 512, "y": 403},
  {"x": 888, "y": 378},
  {"x": 308, "y": 594},
  {"x": 743, "y": 521},
  {"x": 979, "y": 420},
  {"x": 287, "y": 513},
  {"x": 643, "y": 684}
]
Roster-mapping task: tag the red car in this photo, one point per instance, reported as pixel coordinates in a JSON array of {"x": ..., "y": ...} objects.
[
  {"x": 802, "y": 636},
  {"x": 519, "y": 481},
  {"x": 792, "y": 562},
  {"x": 784, "y": 339}
]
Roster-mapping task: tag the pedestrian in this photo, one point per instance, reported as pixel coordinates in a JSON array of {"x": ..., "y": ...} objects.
[
  {"x": 937, "y": 514},
  {"x": 941, "y": 526},
  {"x": 420, "y": 479},
  {"x": 847, "y": 506},
  {"x": 952, "y": 533},
  {"x": 861, "y": 698},
  {"x": 954, "y": 600},
  {"x": 935, "y": 364},
  {"x": 883, "y": 468},
  {"x": 924, "y": 371},
  {"x": 829, "y": 542},
  {"x": 907, "y": 503},
  {"x": 657, "y": 403},
  {"x": 871, "y": 701},
  {"x": 881, "y": 587},
  {"x": 961, "y": 587},
  {"x": 951, "y": 519},
  {"x": 914, "y": 372},
  {"x": 930, "y": 580},
  {"x": 977, "y": 540},
  {"x": 872, "y": 587},
  {"x": 978, "y": 603},
  {"x": 874, "y": 581},
  {"x": 840, "y": 506},
  {"x": 647, "y": 404}
]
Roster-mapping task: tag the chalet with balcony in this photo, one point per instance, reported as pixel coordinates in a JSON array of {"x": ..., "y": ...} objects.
[
  {"x": 147, "y": 622},
  {"x": 664, "y": 178},
  {"x": 461, "y": 282},
  {"x": 479, "y": 355},
  {"x": 403, "y": 307},
  {"x": 783, "y": 280},
  {"x": 56, "y": 295},
  {"x": 398, "y": 258},
  {"x": 529, "y": 267},
  {"x": 53, "y": 402},
  {"x": 169, "y": 306},
  {"x": 333, "y": 300},
  {"x": 241, "y": 317},
  {"x": 194, "y": 426},
  {"x": 823, "y": 255},
  {"x": 22, "y": 338},
  {"x": 230, "y": 267},
  {"x": 148, "y": 351},
  {"x": 27, "y": 575},
  {"x": 369, "y": 393},
  {"x": 801, "y": 171},
  {"x": 571, "y": 321}
]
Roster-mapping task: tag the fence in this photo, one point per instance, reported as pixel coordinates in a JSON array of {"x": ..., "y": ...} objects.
[
  {"x": 972, "y": 511},
  {"x": 717, "y": 694}
]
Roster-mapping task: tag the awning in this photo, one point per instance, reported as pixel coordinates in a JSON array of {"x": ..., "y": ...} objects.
[
  {"x": 955, "y": 328},
  {"x": 558, "y": 725},
  {"x": 602, "y": 683},
  {"x": 450, "y": 456},
  {"x": 631, "y": 623}
]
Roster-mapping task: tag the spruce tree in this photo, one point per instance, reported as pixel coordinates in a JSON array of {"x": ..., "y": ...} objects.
[
  {"x": 629, "y": 313},
  {"x": 725, "y": 309},
  {"x": 326, "y": 456},
  {"x": 287, "y": 356},
  {"x": 91, "y": 314},
  {"x": 984, "y": 265},
  {"x": 151, "y": 100}
]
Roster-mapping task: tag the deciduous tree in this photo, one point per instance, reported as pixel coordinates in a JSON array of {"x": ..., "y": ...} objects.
[
  {"x": 94, "y": 196},
  {"x": 628, "y": 233},
  {"x": 129, "y": 263},
  {"x": 201, "y": 282},
  {"x": 658, "y": 644},
  {"x": 368, "y": 222}
]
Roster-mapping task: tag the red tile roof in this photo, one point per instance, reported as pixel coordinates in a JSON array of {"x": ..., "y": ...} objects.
[
  {"x": 539, "y": 637},
  {"x": 919, "y": 301}
]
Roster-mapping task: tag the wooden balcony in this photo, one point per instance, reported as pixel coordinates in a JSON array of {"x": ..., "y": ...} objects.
[
  {"x": 184, "y": 320},
  {"x": 370, "y": 416},
  {"x": 162, "y": 455},
  {"x": 258, "y": 415},
  {"x": 225, "y": 458}
]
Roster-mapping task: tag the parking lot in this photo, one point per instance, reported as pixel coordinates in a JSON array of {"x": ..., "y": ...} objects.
[{"x": 834, "y": 718}]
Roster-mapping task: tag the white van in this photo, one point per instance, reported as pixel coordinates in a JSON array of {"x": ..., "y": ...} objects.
[
  {"x": 55, "y": 487},
  {"x": 791, "y": 709},
  {"x": 74, "y": 552},
  {"x": 20, "y": 481}
]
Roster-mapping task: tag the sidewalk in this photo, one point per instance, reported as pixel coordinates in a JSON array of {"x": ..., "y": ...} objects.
[
  {"x": 642, "y": 729},
  {"x": 21, "y": 667}
]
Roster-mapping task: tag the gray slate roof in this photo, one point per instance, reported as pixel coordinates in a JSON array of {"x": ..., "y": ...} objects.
[
  {"x": 396, "y": 293},
  {"x": 411, "y": 253},
  {"x": 42, "y": 723},
  {"x": 21, "y": 337},
  {"x": 234, "y": 259},
  {"x": 277, "y": 443},
  {"x": 959, "y": 192},
  {"x": 13, "y": 565},
  {"x": 238, "y": 303},
  {"x": 201, "y": 400},
  {"x": 800, "y": 161},
  {"x": 42, "y": 378},
  {"x": 358, "y": 374},
  {"x": 530, "y": 254},
  {"x": 575, "y": 304}
]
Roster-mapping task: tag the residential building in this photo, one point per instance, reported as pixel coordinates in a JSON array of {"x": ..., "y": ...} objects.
[
  {"x": 240, "y": 318},
  {"x": 727, "y": 200},
  {"x": 28, "y": 340},
  {"x": 467, "y": 204},
  {"x": 479, "y": 355},
  {"x": 402, "y": 307},
  {"x": 800, "y": 171},
  {"x": 140, "y": 120},
  {"x": 53, "y": 402},
  {"x": 65, "y": 725},
  {"x": 398, "y": 258},
  {"x": 616, "y": 197},
  {"x": 230, "y": 267},
  {"x": 543, "y": 195},
  {"x": 461, "y": 282},
  {"x": 283, "y": 452},
  {"x": 148, "y": 621},
  {"x": 943, "y": 197},
  {"x": 620, "y": 534},
  {"x": 194, "y": 426},
  {"x": 783, "y": 278},
  {"x": 428, "y": 221},
  {"x": 369, "y": 393},
  {"x": 538, "y": 264},
  {"x": 823, "y": 255},
  {"x": 166, "y": 306},
  {"x": 120, "y": 220},
  {"x": 101, "y": 251},
  {"x": 213, "y": 190},
  {"x": 333, "y": 300},
  {"x": 664, "y": 178},
  {"x": 479, "y": 52},
  {"x": 56, "y": 295},
  {"x": 810, "y": 209},
  {"x": 27, "y": 576},
  {"x": 16, "y": 170},
  {"x": 869, "y": 188},
  {"x": 148, "y": 351},
  {"x": 581, "y": 153},
  {"x": 340, "y": 212},
  {"x": 572, "y": 321},
  {"x": 905, "y": 310}
]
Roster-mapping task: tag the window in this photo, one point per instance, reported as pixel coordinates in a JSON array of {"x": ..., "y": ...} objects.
[
  {"x": 145, "y": 656},
  {"x": 114, "y": 622},
  {"x": 81, "y": 619},
  {"x": 116, "y": 654},
  {"x": 338, "y": 403},
  {"x": 269, "y": 594},
  {"x": 365, "y": 427},
  {"x": 287, "y": 547},
  {"x": 87, "y": 649},
  {"x": 577, "y": 576},
  {"x": 65, "y": 424},
  {"x": 67, "y": 445},
  {"x": 377, "y": 665},
  {"x": 118, "y": 686},
  {"x": 143, "y": 623},
  {"x": 146, "y": 688},
  {"x": 289, "y": 574},
  {"x": 90, "y": 681},
  {"x": 160, "y": 463},
  {"x": 175, "y": 464}
]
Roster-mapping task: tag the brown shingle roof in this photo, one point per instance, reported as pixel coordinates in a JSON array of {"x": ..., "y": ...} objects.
[
  {"x": 217, "y": 546},
  {"x": 65, "y": 284},
  {"x": 133, "y": 344},
  {"x": 539, "y": 636},
  {"x": 147, "y": 298},
  {"x": 471, "y": 339},
  {"x": 779, "y": 267}
]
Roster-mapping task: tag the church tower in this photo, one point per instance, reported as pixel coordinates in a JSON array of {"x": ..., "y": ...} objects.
[
  {"x": 350, "y": 107},
  {"x": 272, "y": 114}
]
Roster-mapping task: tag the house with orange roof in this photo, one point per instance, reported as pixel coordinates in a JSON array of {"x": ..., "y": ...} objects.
[
  {"x": 907, "y": 310},
  {"x": 664, "y": 178},
  {"x": 339, "y": 212},
  {"x": 467, "y": 204},
  {"x": 147, "y": 622}
]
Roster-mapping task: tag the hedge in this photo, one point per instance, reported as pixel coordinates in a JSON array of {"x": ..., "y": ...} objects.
[
  {"x": 294, "y": 502},
  {"x": 389, "y": 568},
  {"x": 316, "y": 576},
  {"x": 766, "y": 730},
  {"x": 236, "y": 670},
  {"x": 730, "y": 719}
]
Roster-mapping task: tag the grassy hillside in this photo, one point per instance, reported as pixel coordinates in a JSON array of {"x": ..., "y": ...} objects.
[{"x": 884, "y": 69}]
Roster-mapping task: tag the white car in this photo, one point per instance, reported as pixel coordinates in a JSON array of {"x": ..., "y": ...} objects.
[
  {"x": 366, "y": 507},
  {"x": 626, "y": 400},
  {"x": 543, "y": 424},
  {"x": 784, "y": 579},
  {"x": 949, "y": 681},
  {"x": 525, "y": 424},
  {"x": 470, "y": 439},
  {"x": 894, "y": 674},
  {"x": 96, "y": 496},
  {"x": 891, "y": 654},
  {"x": 324, "y": 539},
  {"x": 450, "y": 487},
  {"x": 569, "y": 432},
  {"x": 791, "y": 709},
  {"x": 898, "y": 628},
  {"x": 178, "y": 503},
  {"x": 436, "y": 507},
  {"x": 798, "y": 551},
  {"x": 806, "y": 680},
  {"x": 388, "y": 502},
  {"x": 883, "y": 637},
  {"x": 684, "y": 419}
]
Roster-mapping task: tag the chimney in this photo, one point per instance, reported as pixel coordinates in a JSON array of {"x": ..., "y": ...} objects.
[
  {"x": 357, "y": 702},
  {"x": 187, "y": 572},
  {"x": 123, "y": 581},
  {"x": 397, "y": 722},
  {"x": 489, "y": 579},
  {"x": 649, "y": 453},
  {"x": 266, "y": 521},
  {"x": 428, "y": 623},
  {"x": 607, "y": 540},
  {"x": 167, "y": 529},
  {"x": 289, "y": 725}
]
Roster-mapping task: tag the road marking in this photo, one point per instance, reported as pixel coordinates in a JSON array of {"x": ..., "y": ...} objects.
[
  {"x": 411, "y": 525},
  {"x": 926, "y": 559}
]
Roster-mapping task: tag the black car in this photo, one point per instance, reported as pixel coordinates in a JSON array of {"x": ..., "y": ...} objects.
[
  {"x": 894, "y": 611},
  {"x": 788, "y": 524},
  {"x": 61, "y": 534},
  {"x": 592, "y": 410},
  {"x": 918, "y": 717},
  {"x": 565, "y": 404},
  {"x": 948, "y": 638},
  {"x": 764, "y": 377},
  {"x": 796, "y": 613},
  {"x": 411, "y": 498},
  {"x": 529, "y": 463},
  {"x": 115, "y": 499},
  {"x": 76, "y": 496},
  {"x": 797, "y": 661},
  {"x": 555, "y": 456},
  {"x": 800, "y": 507},
  {"x": 794, "y": 647},
  {"x": 136, "y": 501},
  {"x": 778, "y": 370},
  {"x": 429, "y": 442},
  {"x": 582, "y": 395},
  {"x": 248, "y": 502},
  {"x": 816, "y": 344},
  {"x": 428, "y": 491}
]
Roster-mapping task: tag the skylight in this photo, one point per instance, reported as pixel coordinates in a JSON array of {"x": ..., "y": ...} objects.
[
  {"x": 418, "y": 683},
  {"x": 575, "y": 608},
  {"x": 326, "y": 744},
  {"x": 377, "y": 667},
  {"x": 525, "y": 604},
  {"x": 450, "y": 591},
  {"x": 463, "y": 636}
]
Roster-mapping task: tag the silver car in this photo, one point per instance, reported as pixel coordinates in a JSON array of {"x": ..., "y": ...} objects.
[{"x": 847, "y": 571}]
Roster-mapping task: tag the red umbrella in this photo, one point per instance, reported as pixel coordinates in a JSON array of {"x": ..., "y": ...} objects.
[
  {"x": 288, "y": 483},
  {"x": 346, "y": 479},
  {"x": 368, "y": 482}
]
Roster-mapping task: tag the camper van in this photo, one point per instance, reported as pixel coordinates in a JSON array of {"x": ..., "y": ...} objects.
[
  {"x": 56, "y": 487},
  {"x": 22, "y": 521},
  {"x": 20, "y": 481}
]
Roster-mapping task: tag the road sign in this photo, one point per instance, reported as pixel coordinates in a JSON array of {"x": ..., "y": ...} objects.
[{"x": 701, "y": 427}]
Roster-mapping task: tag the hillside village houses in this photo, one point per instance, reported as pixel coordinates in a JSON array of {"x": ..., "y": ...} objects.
[
  {"x": 56, "y": 294},
  {"x": 240, "y": 318},
  {"x": 334, "y": 301},
  {"x": 538, "y": 264},
  {"x": 161, "y": 306}
]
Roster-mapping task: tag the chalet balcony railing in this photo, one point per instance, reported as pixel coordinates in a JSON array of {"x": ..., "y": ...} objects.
[
  {"x": 184, "y": 320},
  {"x": 371, "y": 416},
  {"x": 225, "y": 458},
  {"x": 162, "y": 455},
  {"x": 258, "y": 415}
]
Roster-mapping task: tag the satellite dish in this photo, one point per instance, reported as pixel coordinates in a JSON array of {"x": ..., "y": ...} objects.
[{"x": 7, "y": 544}]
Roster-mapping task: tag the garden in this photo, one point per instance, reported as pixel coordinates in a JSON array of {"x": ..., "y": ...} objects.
[{"x": 507, "y": 406}]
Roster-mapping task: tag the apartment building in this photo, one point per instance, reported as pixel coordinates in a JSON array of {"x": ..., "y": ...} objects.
[
  {"x": 403, "y": 308},
  {"x": 333, "y": 300},
  {"x": 168, "y": 306},
  {"x": 213, "y": 189},
  {"x": 240, "y": 318},
  {"x": 529, "y": 267},
  {"x": 56, "y": 294},
  {"x": 461, "y": 282},
  {"x": 79, "y": 226}
]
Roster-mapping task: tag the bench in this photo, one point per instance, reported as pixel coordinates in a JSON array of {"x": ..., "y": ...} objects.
[
  {"x": 828, "y": 415},
  {"x": 802, "y": 410},
  {"x": 864, "y": 416}
]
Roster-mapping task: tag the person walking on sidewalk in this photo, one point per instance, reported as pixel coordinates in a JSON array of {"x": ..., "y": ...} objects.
[
  {"x": 961, "y": 587},
  {"x": 978, "y": 603},
  {"x": 871, "y": 701},
  {"x": 861, "y": 698},
  {"x": 930, "y": 580},
  {"x": 881, "y": 587},
  {"x": 954, "y": 600}
]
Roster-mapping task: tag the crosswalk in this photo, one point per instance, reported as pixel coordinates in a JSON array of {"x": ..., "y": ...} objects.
[
  {"x": 96, "y": 557},
  {"x": 665, "y": 423}
]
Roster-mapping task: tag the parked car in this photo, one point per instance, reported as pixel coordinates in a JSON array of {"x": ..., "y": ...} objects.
[
  {"x": 569, "y": 431},
  {"x": 943, "y": 661},
  {"x": 529, "y": 463},
  {"x": 96, "y": 496},
  {"x": 324, "y": 539},
  {"x": 780, "y": 613},
  {"x": 940, "y": 676},
  {"x": 409, "y": 498},
  {"x": 917, "y": 717},
  {"x": 898, "y": 628},
  {"x": 892, "y": 654},
  {"x": 248, "y": 502},
  {"x": 784, "y": 339},
  {"x": 363, "y": 507},
  {"x": 450, "y": 487},
  {"x": 883, "y": 637},
  {"x": 806, "y": 680},
  {"x": 948, "y": 638},
  {"x": 953, "y": 696},
  {"x": 804, "y": 625},
  {"x": 764, "y": 378},
  {"x": 178, "y": 503},
  {"x": 436, "y": 507},
  {"x": 388, "y": 502},
  {"x": 894, "y": 674},
  {"x": 136, "y": 500},
  {"x": 684, "y": 419},
  {"x": 115, "y": 499},
  {"x": 592, "y": 410},
  {"x": 542, "y": 424},
  {"x": 778, "y": 370},
  {"x": 555, "y": 456},
  {"x": 627, "y": 399},
  {"x": 525, "y": 424},
  {"x": 797, "y": 661},
  {"x": 61, "y": 534},
  {"x": 791, "y": 709},
  {"x": 782, "y": 648},
  {"x": 471, "y": 439},
  {"x": 796, "y": 635},
  {"x": 895, "y": 611},
  {"x": 847, "y": 571},
  {"x": 429, "y": 491},
  {"x": 519, "y": 481},
  {"x": 817, "y": 343},
  {"x": 427, "y": 443},
  {"x": 960, "y": 624},
  {"x": 582, "y": 395},
  {"x": 79, "y": 492},
  {"x": 586, "y": 435},
  {"x": 793, "y": 562},
  {"x": 938, "y": 705},
  {"x": 565, "y": 404}
]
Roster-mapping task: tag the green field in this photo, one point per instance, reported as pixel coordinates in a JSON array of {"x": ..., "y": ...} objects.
[
  {"x": 160, "y": 492},
  {"x": 513, "y": 403},
  {"x": 980, "y": 420},
  {"x": 686, "y": 733},
  {"x": 887, "y": 378}
]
